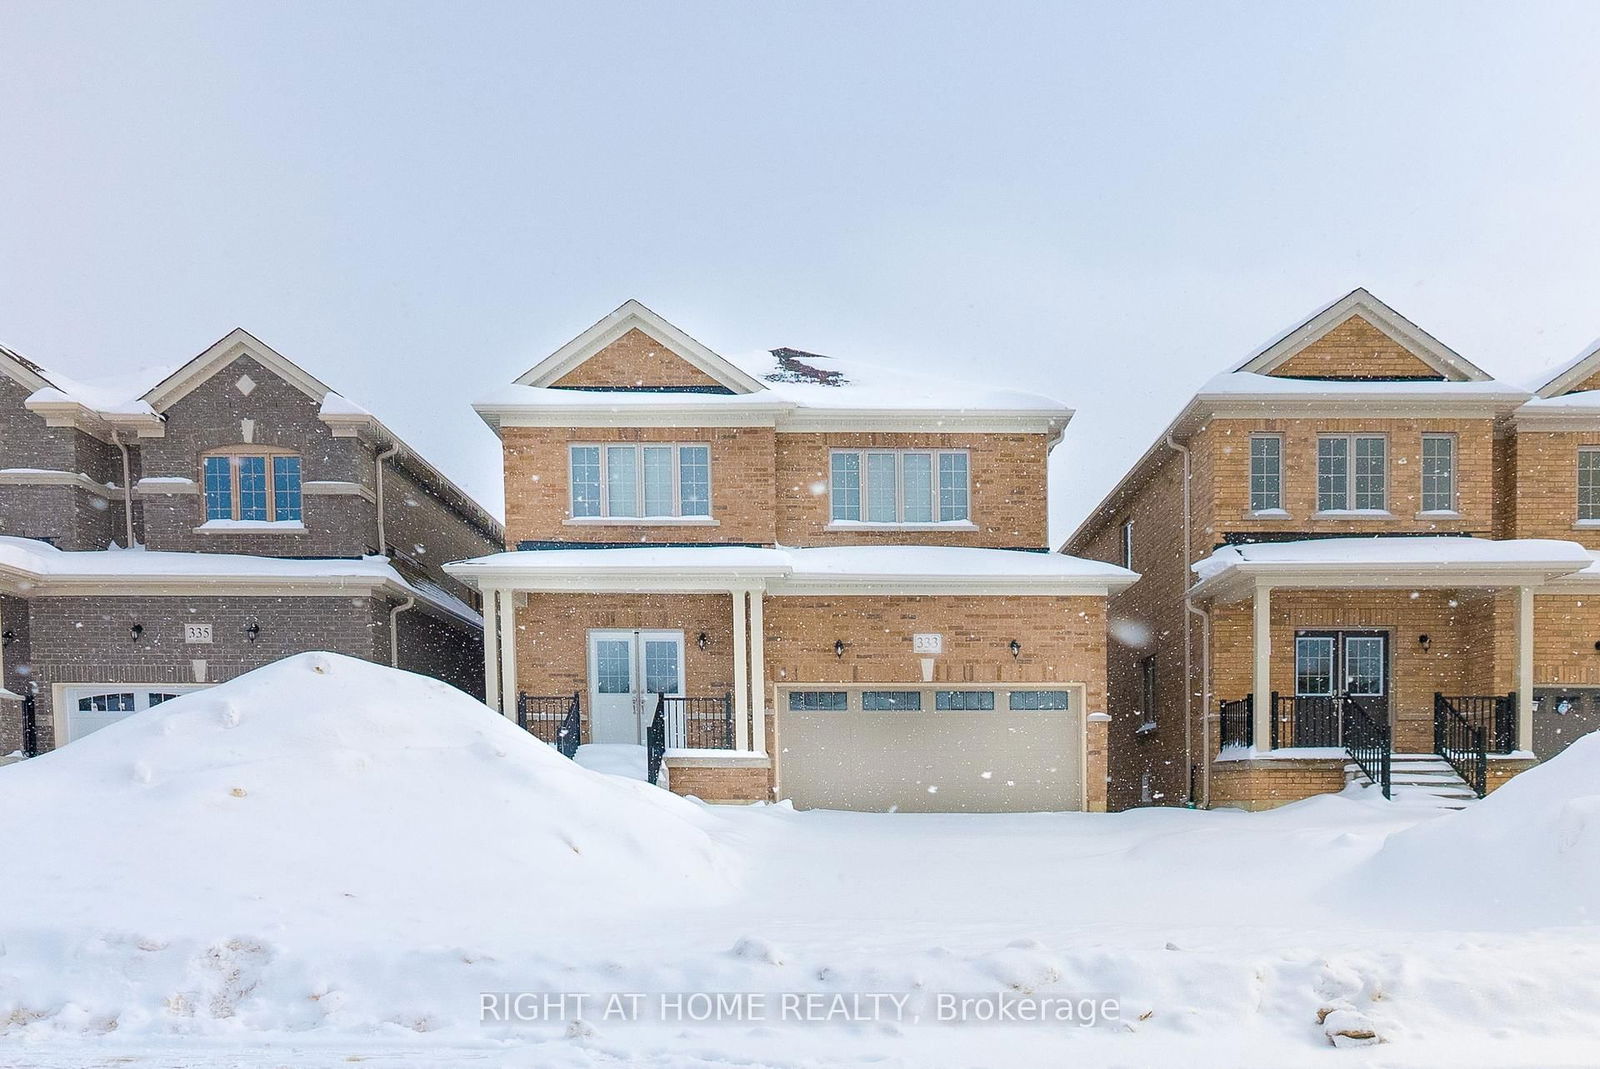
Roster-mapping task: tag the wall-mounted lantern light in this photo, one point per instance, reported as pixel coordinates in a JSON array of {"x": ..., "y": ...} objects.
[
  {"x": 7, "y": 637},
  {"x": 135, "y": 631},
  {"x": 1424, "y": 641},
  {"x": 1016, "y": 648},
  {"x": 838, "y": 647},
  {"x": 702, "y": 641},
  {"x": 251, "y": 630}
]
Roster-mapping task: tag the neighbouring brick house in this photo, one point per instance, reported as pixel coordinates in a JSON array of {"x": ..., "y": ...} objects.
[
  {"x": 832, "y": 581},
  {"x": 1363, "y": 556},
  {"x": 266, "y": 516}
]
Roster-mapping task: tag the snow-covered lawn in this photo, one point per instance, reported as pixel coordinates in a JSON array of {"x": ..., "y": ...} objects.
[{"x": 326, "y": 860}]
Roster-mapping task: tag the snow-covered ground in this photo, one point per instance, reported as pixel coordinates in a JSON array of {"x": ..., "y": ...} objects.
[{"x": 327, "y": 862}]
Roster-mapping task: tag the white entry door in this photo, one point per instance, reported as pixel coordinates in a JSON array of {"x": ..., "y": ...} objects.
[{"x": 627, "y": 669}]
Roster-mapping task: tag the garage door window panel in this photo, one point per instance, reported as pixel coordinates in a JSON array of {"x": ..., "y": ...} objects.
[
  {"x": 964, "y": 701},
  {"x": 879, "y": 701}
]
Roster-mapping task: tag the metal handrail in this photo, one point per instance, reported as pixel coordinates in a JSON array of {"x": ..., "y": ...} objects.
[
  {"x": 553, "y": 718},
  {"x": 1461, "y": 742},
  {"x": 655, "y": 740},
  {"x": 1368, "y": 742}
]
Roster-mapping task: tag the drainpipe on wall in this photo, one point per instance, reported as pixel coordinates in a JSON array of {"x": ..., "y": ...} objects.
[
  {"x": 394, "y": 632},
  {"x": 1188, "y": 609},
  {"x": 127, "y": 488},
  {"x": 383, "y": 543}
]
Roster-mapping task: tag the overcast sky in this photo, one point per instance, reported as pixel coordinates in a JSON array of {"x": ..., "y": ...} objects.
[{"x": 1104, "y": 202}]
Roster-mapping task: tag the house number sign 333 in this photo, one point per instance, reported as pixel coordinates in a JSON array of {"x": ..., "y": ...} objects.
[{"x": 927, "y": 643}]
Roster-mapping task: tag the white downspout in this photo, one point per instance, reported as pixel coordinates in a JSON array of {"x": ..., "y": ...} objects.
[
  {"x": 1188, "y": 610},
  {"x": 394, "y": 633},
  {"x": 127, "y": 488},
  {"x": 383, "y": 542}
]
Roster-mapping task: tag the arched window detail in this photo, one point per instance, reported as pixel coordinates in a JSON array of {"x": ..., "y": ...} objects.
[{"x": 253, "y": 484}]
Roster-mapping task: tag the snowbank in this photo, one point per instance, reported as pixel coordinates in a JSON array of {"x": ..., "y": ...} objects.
[
  {"x": 1527, "y": 855},
  {"x": 323, "y": 795}
]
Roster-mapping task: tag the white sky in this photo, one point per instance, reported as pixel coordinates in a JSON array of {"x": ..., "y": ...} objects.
[{"x": 1104, "y": 202}]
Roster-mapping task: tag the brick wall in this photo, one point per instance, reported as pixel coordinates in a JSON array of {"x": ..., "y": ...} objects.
[
  {"x": 635, "y": 359},
  {"x": 66, "y": 516},
  {"x": 1354, "y": 348},
  {"x": 1266, "y": 784},
  {"x": 1546, "y": 502}
]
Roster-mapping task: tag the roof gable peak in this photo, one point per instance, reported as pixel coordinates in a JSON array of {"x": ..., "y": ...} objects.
[{"x": 223, "y": 352}]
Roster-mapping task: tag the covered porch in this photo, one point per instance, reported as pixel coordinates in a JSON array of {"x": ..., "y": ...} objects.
[{"x": 1341, "y": 653}]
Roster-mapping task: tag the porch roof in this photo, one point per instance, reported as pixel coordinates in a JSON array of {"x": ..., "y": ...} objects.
[
  {"x": 1432, "y": 561},
  {"x": 783, "y": 570}
]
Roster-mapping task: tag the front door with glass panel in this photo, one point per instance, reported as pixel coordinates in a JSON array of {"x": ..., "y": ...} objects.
[
  {"x": 1329, "y": 665},
  {"x": 627, "y": 670}
]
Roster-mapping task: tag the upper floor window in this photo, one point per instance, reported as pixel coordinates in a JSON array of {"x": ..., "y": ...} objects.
[
  {"x": 899, "y": 486},
  {"x": 1266, "y": 473},
  {"x": 640, "y": 481},
  {"x": 1589, "y": 484},
  {"x": 1438, "y": 473},
  {"x": 261, "y": 486},
  {"x": 1352, "y": 473}
]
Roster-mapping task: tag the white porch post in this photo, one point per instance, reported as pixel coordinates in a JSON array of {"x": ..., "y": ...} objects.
[
  {"x": 1525, "y": 668},
  {"x": 1261, "y": 690},
  {"x": 491, "y": 648},
  {"x": 758, "y": 675},
  {"x": 508, "y": 652},
  {"x": 741, "y": 663}
]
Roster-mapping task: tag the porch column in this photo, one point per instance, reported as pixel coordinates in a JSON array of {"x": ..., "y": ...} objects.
[
  {"x": 758, "y": 675},
  {"x": 508, "y": 652},
  {"x": 1525, "y": 668},
  {"x": 491, "y": 648},
  {"x": 1261, "y": 689},
  {"x": 741, "y": 664}
]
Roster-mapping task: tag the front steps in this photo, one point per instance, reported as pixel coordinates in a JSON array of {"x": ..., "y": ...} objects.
[{"x": 1420, "y": 779}]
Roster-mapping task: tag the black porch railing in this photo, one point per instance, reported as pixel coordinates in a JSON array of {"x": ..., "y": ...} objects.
[
  {"x": 1461, "y": 742},
  {"x": 1496, "y": 714},
  {"x": 682, "y": 723},
  {"x": 1306, "y": 720},
  {"x": 1368, "y": 742},
  {"x": 555, "y": 718},
  {"x": 30, "y": 726},
  {"x": 655, "y": 740},
  {"x": 1236, "y": 721}
]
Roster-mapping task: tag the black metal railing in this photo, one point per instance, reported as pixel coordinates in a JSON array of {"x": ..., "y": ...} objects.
[
  {"x": 1236, "y": 722},
  {"x": 1496, "y": 714},
  {"x": 1368, "y": 742},
  {"x": 1461, "y": 742},
  {"x": 555, "y": 718},
  {"x": 698, "y": 723},
  {"x": 655, "y": 740},
  {"x": 1305, "y": 720},
  {"x": 30, "y": 726}
]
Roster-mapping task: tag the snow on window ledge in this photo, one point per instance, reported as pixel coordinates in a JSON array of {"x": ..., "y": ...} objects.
[
  {"x": 1439, "y": 514},
  {"x": 641, "y": 521},
  {"x": 250, "y": 526},
  {"x": 1267, "y": 514},
  {"x": 1371, "y": 514},
  {"x": 1585, "y": 525},
  {"x": 865, "y": 525}
]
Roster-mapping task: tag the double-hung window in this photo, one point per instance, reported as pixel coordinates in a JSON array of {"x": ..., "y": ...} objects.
[
  {"x": 1438, "y": 473},
  {"x": 257, "y": 487},
  {"x": 1589, "y": 484},
  {"x": 640, "y": 481},
  {"x": 899, "y": 486},
  {"x": 1352, "y": 473},
  {"x": 1266, "y": 473}
]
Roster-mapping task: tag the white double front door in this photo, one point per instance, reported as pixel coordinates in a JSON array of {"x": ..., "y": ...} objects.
[{"x": 627, "y": 670}]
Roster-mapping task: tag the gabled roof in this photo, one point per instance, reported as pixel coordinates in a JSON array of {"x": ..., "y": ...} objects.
[
  {"x": 16, "y": 366},
  {"x": 631, "y": 315},
  {"x": 224, "y": 351},
  {"x": 1359, "y": 302},
  {"x": 1581, "y": 367}
]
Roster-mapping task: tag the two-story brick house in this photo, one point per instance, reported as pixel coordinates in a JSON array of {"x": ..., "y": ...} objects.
[
  {"x": 833, "y": 580},
  {"x": 1358, "y": 551},
  {"x": 174, "y": 528}
]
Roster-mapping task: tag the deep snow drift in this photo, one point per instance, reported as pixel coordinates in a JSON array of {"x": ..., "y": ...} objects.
[{"x": 325, "y": 796}]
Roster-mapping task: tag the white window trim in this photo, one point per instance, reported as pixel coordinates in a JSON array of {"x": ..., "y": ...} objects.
[
  {"x": 233, "y": 524},
  {"x": 1579, "y": 520},
  {"x": 1350, "y": 477},
  {"x": 1276, "y": 511},
  {"x": 934, "y": 452},
  {"x": 1422, "y": 474},
  {"x": 674, "y": 519}
]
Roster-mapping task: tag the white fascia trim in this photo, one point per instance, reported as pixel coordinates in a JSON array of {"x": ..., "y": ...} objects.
[
  {"x": 627, "y": 316},
  {"x": 12, "y": 367},
  {"x": 777, "y": 583},
  {"x": 1556, "y": 419},
  {"x": 785, "y": 416},
  {"x": 1401, "y": 331},
  {"x": 1240, "y": 580},
  {"x": 224, "y": 351},
  {"x": 759, "y": 414},
  {"x": 716, "y": 759},
  {"x": 218, "y": 585},
  {"x": 1584, "y": 365},
  {"x": 974, "y": 586},
  {"x": 928, "y": 420},
  {"x": 1330, "y": 405}
]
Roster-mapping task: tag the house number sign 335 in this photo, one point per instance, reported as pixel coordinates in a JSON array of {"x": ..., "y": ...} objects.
[{"x": 197, "y": 633}]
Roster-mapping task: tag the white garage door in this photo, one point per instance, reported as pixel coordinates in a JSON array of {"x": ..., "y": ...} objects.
[
  {"x": 931, "y": 749},
  {"x": 88, "y": 708}
]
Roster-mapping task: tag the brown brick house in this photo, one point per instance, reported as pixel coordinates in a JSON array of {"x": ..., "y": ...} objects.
[
  {"x": 831, "y": 581},
  {"x": 171, "y": 529},
  {"x": 1361, "y": 558}
]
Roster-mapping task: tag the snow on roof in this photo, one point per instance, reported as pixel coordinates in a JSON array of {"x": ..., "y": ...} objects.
[
  {"x": 335, "y": 404},
  {"x": 1585, "y": 401},
  {"x": 42, "y": 562},
  {"x": 1237, "y": 384},
  {"x": 860, "y": 564},
  {"x": 1397, "y": 552},
  {"x": 120, "y": 393}
]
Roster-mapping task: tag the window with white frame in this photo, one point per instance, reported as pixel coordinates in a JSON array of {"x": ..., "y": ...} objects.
[
  {"x": 261, "y": 487},
  {"x": 1438, "y": 473},
  {"x": 1266, "y": 473},
  {"x": 640, "y": 481},
  {"x": 1589, "y": 484},
  {"x": 899, "y": 486},
  {"x": 1352, "y": 473}
]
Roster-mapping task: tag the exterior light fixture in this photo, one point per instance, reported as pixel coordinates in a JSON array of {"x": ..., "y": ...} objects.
[
  {"x": 1016, "y": 648},
  {"x": 838, "y": 647},
  {"x": 7, "y": 637},
  {"x": 701, "y": 640},
  {"x": 135, "y": 631},
  {"x": 251, "y": 630},
  {"x": 1424, "y": 641}
]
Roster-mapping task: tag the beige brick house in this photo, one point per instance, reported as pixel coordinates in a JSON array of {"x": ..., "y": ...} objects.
[
  {"x": 1363, "y": 557},
  {"x": 792, "y": 576}
]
